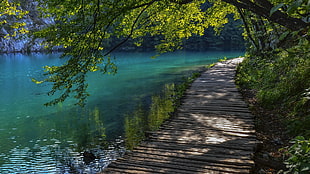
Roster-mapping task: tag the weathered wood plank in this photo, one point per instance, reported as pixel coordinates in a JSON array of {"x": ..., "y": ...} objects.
[
  {"x": 197, "y": 165},
  {"x": 212, "y": 132},
  {"x": 231, "y": 134},
  {"x": 245, "y": 147},
  {"x": 181, "y": 146},
  {"x": 189, "y": 151},
  {"x": 188, "y": 125},
  {"x": 205, "y": 112},
  {"x": 184, "y": 166},
  {"x": 208, "y": 140}
]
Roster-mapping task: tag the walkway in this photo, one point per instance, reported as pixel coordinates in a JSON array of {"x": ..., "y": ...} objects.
[{"x": 213, "y": 132}]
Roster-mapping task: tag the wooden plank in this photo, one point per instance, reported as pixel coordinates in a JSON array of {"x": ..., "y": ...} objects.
[
  {"x": 184, "y": 166},
  {"x": 190, "y": 125},
  {"x": 197, "y": 165},
  {"x": 245, "y": 147},
  {"x": 212, "y": 132},
  {"x": 217, "y": 108},
  {"x": 231, "y": 134},
  {"x": 181, "y": 146},
  {"x": 190, "y": 151},
  {"x": 213, "y": 140},
  {"x": 136, "y": 167},
  {"x": 215, "y": 103},
  {"x": 233, "y": 113},
  {"x": 220, "y": 159}
]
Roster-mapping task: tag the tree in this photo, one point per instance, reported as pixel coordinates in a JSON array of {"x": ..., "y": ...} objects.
[
  {"x": 10, "y": 19},
  {"x": 82, "y": 27},
  {"x": 266, "y": 9}
]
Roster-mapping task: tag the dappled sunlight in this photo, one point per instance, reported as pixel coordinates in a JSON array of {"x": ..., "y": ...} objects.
[{"x": 209, "y": 134}]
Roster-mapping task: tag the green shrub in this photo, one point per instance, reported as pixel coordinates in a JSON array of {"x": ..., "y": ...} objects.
[
  {"x": 299, "y": 156},
  {"x": 281, "y": 80},
  {"x": 134, "y": 128},
  {"x": 161, "y": 107}
]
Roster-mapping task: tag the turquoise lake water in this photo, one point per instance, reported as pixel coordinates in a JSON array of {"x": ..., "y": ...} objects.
[{"x": 39, "y": 139}]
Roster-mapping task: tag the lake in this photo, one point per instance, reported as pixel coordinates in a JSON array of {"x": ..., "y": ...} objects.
[{"x": 39, "y": 139}]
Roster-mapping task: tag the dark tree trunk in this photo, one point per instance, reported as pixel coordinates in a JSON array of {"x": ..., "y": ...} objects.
[
  {"x": 247, "y": 28},
  {"x": 263, "y": 7}
]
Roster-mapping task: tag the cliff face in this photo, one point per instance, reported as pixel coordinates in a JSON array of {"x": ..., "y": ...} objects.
[{"x": 23, "y": 42}]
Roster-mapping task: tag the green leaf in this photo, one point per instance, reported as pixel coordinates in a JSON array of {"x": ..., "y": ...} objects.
[
  {"x": 305, "y": 167},
  {"x": 294, "y": 6},
  {"x": 283, "y": 35},
  {"x": 275, "y": 8},
  {"x": 300, "y": 138}
]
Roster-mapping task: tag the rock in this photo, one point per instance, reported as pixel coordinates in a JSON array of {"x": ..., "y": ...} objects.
[{"x": 88, "y": 157}]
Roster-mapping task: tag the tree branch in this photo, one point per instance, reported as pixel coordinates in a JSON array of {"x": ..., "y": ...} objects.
[
  {"x": 131, "y": 31},
  {"x": 263, "y": 7},
  {"x": 247, "y": 29},
  {"x": 181, "y": 2},
  {"x": 142, "y": 5}
]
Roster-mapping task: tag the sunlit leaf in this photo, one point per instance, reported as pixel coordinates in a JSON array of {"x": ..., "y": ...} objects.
[{"x": 276, "y": 8}]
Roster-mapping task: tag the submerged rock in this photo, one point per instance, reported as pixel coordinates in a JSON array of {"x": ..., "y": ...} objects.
[{"x": 88, "y": 157}]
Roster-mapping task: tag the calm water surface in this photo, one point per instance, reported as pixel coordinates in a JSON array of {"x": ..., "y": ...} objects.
[{"x": 38, "y": 139}]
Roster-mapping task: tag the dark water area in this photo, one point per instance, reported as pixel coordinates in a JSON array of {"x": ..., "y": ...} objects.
[{"x": 57, "y": 139}]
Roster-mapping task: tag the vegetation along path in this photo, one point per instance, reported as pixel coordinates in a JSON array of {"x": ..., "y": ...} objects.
[{"x": 212, "y": 132}]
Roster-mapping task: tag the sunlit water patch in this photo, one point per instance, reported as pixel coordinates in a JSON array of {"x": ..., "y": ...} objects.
[{"x": 68, "y": 139}]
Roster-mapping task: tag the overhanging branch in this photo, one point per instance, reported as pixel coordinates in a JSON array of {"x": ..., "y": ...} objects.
[
  {"x": 131, "y": 30},
  {"x": 263, "y": 7}
]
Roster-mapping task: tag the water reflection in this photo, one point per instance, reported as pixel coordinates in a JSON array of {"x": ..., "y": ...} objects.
[
  {"x": 56, "y": 159},
  {"x": 56, "y": 152}
]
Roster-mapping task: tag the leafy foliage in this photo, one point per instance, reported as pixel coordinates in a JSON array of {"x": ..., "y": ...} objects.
[
  {"x": 84, "y": 27},
  {"x": 161, "y": 107},
  {"x": 299, "y": 156},
  {"x": 282, "y": 83},
  {"x": 294, "y": 8},
  {"x": 10, "y": 19},
  {"x": 277, "y": 67},
  {"x": 135, "y": 125}
]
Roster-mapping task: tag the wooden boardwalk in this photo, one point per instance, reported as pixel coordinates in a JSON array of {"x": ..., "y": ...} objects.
[{"x": 212, "y": 132}]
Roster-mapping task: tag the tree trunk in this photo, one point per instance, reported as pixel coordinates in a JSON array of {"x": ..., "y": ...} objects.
[
  {"x": 263, "y": 7},
  {"x": 247, "y": 28}
]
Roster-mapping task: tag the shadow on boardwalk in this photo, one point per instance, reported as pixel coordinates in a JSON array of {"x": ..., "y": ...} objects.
[{"x": 212, "y": 132}]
